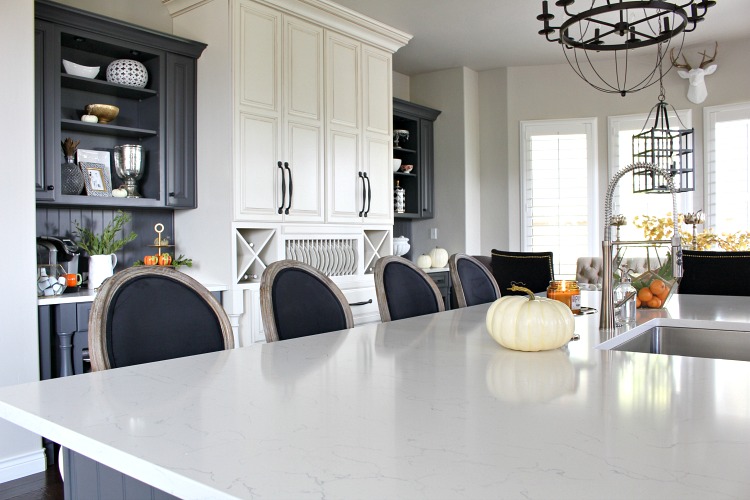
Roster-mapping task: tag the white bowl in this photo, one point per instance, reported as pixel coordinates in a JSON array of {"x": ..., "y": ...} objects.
[
  {"x": 396, "y": 164},
  {"x": 74, "y": 69}
]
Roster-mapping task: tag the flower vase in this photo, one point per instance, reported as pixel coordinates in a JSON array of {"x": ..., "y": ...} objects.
[{"x": 72, "y": 177}]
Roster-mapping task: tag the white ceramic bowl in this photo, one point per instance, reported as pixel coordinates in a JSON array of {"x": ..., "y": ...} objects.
[
  {"x": 396, "y": 164},
  {"x": 74, "y": 69}
]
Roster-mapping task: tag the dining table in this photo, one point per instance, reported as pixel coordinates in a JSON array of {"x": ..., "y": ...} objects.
[{"x": 425, "y": 407}]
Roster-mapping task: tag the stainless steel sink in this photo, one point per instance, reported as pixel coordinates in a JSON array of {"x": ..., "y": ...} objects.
[{"x": 695, "y": 342}]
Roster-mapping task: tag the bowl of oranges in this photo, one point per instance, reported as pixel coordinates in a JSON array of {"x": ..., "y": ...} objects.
[{"x": 653, "y": 290}]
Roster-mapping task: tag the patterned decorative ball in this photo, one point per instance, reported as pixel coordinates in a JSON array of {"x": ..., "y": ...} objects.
[{"x": 127, "y": 72}]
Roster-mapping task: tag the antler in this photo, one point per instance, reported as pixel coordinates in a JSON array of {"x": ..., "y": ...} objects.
[
  {"x": 705, "y": 63},
  {"x": 678, "y": 65}
]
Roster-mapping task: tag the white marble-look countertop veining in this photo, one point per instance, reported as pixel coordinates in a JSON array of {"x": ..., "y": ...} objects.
[{"x": 428, "y": 407}]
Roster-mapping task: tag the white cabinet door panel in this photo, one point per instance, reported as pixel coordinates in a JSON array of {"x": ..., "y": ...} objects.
[
  {"x": 343, "y": 77},
  {"x": 345, "y": 185},
  {"x": 259, "y": 57},
  {"x": 304, "y": 70},
  {"x": 378, "y": 161},
  {"x": 305, "y": 157},
  {"x": 377, "y": 91},
  {"x": 257, "y": 175}
]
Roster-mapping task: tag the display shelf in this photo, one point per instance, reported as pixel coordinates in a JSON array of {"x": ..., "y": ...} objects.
[
  {"x": 105, "y": 129},
  {"x": 415, "y": 149},
  {"x": 256, "y": 248},
  {"x": 103, "y": 87}
]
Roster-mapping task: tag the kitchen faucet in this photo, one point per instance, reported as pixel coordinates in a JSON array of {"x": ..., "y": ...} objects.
[{"x": 607, "y": 314}]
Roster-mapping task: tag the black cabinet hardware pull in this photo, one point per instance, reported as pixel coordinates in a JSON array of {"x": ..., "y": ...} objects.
[
  {"x": 50, "y": 188},
  {"x": 283, "y": 188},
  {"x": 172, "y": 194},
  {"x": 363, "y": 303},
  {"x": 369, "y": 194},
  {"x": 291, "y": 190},
  {"x": 362, "y": 176}
]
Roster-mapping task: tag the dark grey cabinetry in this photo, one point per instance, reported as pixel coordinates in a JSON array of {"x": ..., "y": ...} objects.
[
  {"x": 417, "y": 150},
  {"x": 160, "y": 117},
  {"x": 443, "y": 281}
]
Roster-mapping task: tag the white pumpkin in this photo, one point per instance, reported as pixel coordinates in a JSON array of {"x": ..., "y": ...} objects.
[
  {"x": 530, "y": 323},
  {"x": 424, "y": 261},
  {"x": 439, "y": 257}
]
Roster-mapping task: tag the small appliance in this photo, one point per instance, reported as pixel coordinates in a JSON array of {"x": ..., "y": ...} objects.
[{"x": 60, "y": 250}]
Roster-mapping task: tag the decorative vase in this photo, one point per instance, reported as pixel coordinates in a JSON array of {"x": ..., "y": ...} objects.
[
  {"x": 127, "y": 72},
  {"x": 101, "y": 267},
  {"x": 72, "y": 177},
  {"x": 399, "y": 199},
  {"x": 129, "y": 167},
  {"x": 401, "y": 246}
]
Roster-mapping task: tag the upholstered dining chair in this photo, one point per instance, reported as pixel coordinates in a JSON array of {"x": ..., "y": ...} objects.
[
  {"x": 297, "y": 300},
  {"x": 715, "y": 273},
  {"x": 472, "y": 282},
  {"x": 404, "y": 290},
  {"x": 533, "y": 269},
  {"x": 152, "y": 313}
]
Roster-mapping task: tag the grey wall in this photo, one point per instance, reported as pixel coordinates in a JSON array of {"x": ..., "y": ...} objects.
[{"x": 147, "y": 13}]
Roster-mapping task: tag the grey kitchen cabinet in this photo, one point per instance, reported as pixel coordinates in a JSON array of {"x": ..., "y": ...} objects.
[
  {"x": 418, "y": 150},
  {"x": 160, "y": 117}
]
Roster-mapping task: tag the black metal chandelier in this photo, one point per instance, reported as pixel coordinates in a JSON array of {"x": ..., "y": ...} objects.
[{"x": 618, "y": 27}]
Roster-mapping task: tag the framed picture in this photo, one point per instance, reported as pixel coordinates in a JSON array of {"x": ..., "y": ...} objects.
[
  {"x": 97, "y": 179},
  {"x": 93, "y": 156}
]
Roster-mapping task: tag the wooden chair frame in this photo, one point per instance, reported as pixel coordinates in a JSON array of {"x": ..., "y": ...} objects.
[
  {"x": 98, "y": 316},
  {"x": 266, "y": 302},
  {"x": 380, "y": 265},
  {"x": 458, "y": 288}
]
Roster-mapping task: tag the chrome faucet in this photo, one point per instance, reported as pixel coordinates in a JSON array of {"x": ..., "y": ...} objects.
[{"x": 607, "y": 312}]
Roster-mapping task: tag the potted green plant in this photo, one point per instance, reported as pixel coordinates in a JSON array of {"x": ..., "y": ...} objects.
[{"x": 101, "y": 247}]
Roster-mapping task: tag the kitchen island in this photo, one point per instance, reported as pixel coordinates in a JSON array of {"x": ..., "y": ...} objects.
[{"x": 428, "y": 407}]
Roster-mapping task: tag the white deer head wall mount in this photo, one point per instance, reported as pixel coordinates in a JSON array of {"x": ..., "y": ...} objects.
[{"x": 697, "y": 91}]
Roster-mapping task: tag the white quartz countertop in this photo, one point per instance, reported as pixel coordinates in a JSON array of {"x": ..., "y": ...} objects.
[
  {"x": 86, "y": 295},
  {"x": 427, "y": 407}
]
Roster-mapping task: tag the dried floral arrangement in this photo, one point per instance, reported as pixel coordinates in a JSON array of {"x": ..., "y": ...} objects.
[{"x": 661, "y": 228}]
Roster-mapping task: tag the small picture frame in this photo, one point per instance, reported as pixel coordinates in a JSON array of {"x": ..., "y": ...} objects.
[
  {"x": 97, "y": 179},
  {"x": 95, "y": 156}
]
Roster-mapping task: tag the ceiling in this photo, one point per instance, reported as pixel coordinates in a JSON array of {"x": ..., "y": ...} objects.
[{"x": 488, "y": 34}]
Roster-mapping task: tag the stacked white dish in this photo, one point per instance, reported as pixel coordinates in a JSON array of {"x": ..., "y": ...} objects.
[{"x": 331, "y": 257}]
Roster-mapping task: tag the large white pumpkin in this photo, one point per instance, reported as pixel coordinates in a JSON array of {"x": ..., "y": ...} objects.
[
  {"x": 439, "y": 257},
  {"x": 529, "y": 323}
]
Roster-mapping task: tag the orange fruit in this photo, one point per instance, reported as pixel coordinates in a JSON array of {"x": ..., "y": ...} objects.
[
  {"x": 645, "y": 294},
  {"x": 654, "y": 303},
  {"x": 637, "y": 302},
  {"x": 657, "y": 287},
  {"x": 664, "y": 294}
]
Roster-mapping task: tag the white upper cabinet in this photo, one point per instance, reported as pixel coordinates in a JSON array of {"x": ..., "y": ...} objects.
[
  {"x": 280, "y": 168},
  {"x": 358, "y": 147}
]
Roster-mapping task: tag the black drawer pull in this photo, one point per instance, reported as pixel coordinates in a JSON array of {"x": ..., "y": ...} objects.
[{"x": 363, "y": 303}]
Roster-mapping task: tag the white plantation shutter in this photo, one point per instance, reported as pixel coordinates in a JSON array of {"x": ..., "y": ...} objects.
[
  {"x": 727, "y": 186},
  {"x": 559, "y": 190}
]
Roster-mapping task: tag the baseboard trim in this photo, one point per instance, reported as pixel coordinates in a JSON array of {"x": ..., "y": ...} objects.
[{"x": 22, "y": 466}]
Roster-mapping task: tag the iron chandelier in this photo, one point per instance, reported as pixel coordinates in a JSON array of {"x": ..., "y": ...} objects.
[{"x": 618, "y": 27}]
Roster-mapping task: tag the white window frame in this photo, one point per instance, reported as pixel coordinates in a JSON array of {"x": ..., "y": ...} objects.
[
  {"x": 710, "y": 113},
  {"x": 586, "y": 126}
]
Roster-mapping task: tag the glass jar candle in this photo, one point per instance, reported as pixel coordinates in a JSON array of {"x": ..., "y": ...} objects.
[{"x": 567, "y": 292}]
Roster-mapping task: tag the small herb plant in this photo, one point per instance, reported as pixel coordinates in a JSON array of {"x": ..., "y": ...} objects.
[{"x": 106, "y": 242}]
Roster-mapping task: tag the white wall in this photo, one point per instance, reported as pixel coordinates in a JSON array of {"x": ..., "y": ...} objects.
[
  {"x": 20, "y": 451},
  {"x": 147, "y": 13},
  {"x": 401, "y": 84}
]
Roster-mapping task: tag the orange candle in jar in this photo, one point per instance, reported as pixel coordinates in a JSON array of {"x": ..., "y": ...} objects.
[{"x": 567, "y": 292}]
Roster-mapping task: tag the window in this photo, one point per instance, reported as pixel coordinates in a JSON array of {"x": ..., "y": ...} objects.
[
  {"x": 624, "y": 200},
  {"x": 558, "y": 183},
  {"x": 727, "y": 160}
]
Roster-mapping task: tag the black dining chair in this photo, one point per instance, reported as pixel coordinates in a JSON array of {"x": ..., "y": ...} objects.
[
  {"x": 404, "y": 290},
  {"x": 715, "y": 273},
  {"x": 472, "y": 282},
  {"x": 532, "y": 269},
  {"x": 152, "y": 313},
  {"x": 297, "y": 300}
]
